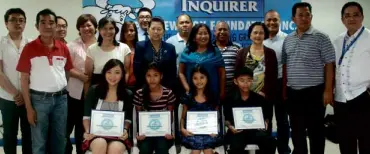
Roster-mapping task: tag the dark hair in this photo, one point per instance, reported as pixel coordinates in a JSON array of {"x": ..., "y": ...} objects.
[
  {"x": 101, "y": 24},
  {"x": 146, "y": 90},
  {"x": 210, "y": 97},
  {"x": 358, "y": 5},
  {"x": 300, "y": 5},
  {"x": 144, "y": 9},
  {"x": 60, "y": 17},
  {"x": 158, "y": 19},
  {"x": 243, "y": 71},
  {"x": 269, "y": 11},
  {"x": 45, "y": 12},
  {"x": 14, "y": 11},
  {"x": 124, "y": 28},
  {"x": 191, "y": 20},
  {"x": 192, "y": 45},
  {"x": 82, "y": 19},
  {"x": 102, "y": 87},
  {"x": 265, "y": 29}
]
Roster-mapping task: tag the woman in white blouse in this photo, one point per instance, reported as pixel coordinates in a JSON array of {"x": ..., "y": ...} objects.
[{"x": 105, "y": 49}]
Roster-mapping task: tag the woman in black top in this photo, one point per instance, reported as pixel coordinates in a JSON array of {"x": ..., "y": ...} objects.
[{"x": 110, "y": 95}]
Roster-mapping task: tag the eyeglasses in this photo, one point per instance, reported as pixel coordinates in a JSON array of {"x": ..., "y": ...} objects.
[
  {"x": 355, "y": 16},
  {"x": 62, "y": 26},
  {"x": 15, "y": 20},
  {"x": 145, "y": 17}
]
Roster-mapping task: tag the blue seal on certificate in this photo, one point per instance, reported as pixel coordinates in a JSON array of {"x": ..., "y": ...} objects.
[
  {"x": 248, "y": 118},
  {"x": 155, "y": 124},
  {"x": 107, "y": 124}
]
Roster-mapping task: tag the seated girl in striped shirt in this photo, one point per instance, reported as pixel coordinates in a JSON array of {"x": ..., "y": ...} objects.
[{"x": 154, "y": 97}]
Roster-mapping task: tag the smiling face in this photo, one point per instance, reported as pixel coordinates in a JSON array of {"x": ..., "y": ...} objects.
[
  {"x": 114, "y": 75},
  {"x": 202, "y": 37},
  {"x": 108, "y": 32},
  {"x": 16, "y": 23},
  {"x": 222, "y": 32},
  {"x": 61, "y": 29},
  {"x": 257, "y": 34},
  {"x": 272, "y": 21},
  {"x": 199, "y": 80},
  {"x": 156, "y": 31},
  {"x": 144, "y": 18},
  {"x": 87, "y": 29}
]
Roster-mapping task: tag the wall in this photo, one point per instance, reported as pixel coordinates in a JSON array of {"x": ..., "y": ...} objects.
[{"x": 326, "y": 14}]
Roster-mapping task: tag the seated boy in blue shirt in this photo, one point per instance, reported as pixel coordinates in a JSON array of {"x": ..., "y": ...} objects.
[{"x": 244, "y": 97}]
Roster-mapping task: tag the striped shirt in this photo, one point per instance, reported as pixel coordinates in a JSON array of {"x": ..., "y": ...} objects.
[
  {"x": 305, "y": 58},
  {"x": 161, "y": 104},
  {"x": 229, "y": 54}
]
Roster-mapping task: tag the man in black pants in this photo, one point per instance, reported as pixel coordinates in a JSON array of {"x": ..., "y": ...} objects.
[
  {"x": 308, "y": 70},
  {"x": 352, "y": 94}
]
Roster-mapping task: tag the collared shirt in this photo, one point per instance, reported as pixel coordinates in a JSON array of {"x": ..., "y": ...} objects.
[
  {"x": 305, "y": 58},
  {"x": 77, "y": 50},
  {"x": 353, "y": 75},
  {"x": 276, "y": 43},
  {"x": 141, "y": 34},
  {"x": 179, "y": 44},
  {"x": 46, "y": 66},
  {"x": 9, "y": 55},
  {"x": 229, "y": 54}
]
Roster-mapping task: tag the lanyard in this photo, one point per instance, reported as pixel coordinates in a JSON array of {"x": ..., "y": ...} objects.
[{"x": 344, "y": 49}]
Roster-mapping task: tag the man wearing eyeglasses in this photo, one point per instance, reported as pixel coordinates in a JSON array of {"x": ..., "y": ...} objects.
[
  {"x": 352, "y": 82},
  {"x": 144, "y": 18},
  {"x": 62, "y": 26},
  {"x": 11, "y": 99}
]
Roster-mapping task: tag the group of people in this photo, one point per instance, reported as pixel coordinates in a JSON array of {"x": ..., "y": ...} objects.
[{"x": 52, "y": 85}]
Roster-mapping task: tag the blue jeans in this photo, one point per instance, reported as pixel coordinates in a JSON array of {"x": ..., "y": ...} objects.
[{"x": 51, "y": 112}]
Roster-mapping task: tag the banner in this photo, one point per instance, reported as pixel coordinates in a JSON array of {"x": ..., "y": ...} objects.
[{"x": 239, "y": 14}]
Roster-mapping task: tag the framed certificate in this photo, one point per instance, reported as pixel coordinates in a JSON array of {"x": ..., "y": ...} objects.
[
  {"x": 154, "y": 123},
  {"x": 248, "y": 118},
  {"x": 107, "y": 123},
  {"x": 202, "y": 122}
]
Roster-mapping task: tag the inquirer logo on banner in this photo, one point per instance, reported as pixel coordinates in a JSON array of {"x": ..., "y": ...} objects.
[
  {"x": 223, "y": 8},
  {"x": 239, "y": 14}
]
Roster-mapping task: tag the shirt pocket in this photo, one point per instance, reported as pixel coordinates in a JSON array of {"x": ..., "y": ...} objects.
[{"x": 59, "y": 62}]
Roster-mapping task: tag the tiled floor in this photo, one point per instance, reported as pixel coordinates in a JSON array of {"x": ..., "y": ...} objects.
[{"x": 330, "y": 149}]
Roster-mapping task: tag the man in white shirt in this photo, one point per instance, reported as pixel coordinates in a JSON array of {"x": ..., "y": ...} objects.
[
  {"x": 352, "y": 96},
  {"x": 11, "y": 100},
  {"x": 275, "y": 42},
  {"x": 144, "y": 16}
]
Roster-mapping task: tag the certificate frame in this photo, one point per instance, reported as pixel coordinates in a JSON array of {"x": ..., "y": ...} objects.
[
  {"x": 107, "y": 123},
  {"x": 196, "y": 121},
  {"x": 248, "y": 118},
  {"x": 154, "y": 124}
]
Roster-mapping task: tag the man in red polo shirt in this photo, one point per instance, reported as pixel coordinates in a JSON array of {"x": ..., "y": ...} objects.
[{"x": 43, "y": 64}]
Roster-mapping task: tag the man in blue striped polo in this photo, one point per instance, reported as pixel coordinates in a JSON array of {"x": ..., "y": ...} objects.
[
  {"x": 308, "y": 73},
  {"x": 228, "y": 50}
]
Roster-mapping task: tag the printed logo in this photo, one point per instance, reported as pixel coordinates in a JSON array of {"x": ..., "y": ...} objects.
[{"x": 155, "y": 124}]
